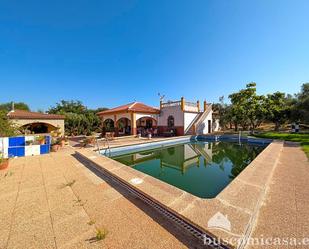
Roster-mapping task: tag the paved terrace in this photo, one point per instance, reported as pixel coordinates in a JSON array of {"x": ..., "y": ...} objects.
[
  {"x": 55, "y": 201},
  {"x": 240, "y": 201},
  {"x": 285, "y": 209},
  {"x": 121, "y": 141}
]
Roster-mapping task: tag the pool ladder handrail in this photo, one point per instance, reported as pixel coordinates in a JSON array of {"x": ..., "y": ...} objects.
[
  {"x": 97, "y": 144},
  {"x": 107, "y": 149}
]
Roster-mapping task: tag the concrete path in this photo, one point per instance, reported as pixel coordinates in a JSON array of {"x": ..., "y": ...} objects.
[
  {"x": 54, "y": 201},
  {"x": 285, "y": 211}
]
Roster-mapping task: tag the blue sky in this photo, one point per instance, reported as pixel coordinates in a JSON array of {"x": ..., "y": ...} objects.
[{"x": 107, "y": 53}]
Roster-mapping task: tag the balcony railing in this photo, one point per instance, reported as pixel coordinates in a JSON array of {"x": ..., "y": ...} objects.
[
  {"x": 185, "y": 105},
  {"x": 171, "y": 103}
]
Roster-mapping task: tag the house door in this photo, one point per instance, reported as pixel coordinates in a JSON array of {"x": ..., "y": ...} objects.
[{"x": 209, "y": 126}]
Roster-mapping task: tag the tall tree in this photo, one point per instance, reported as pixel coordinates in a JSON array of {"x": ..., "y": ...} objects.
[
  {"x": 277, "y": 109},
  {"x": 302, "y": 104},
  {"x": 78, "y": 118},
  {"x": 247, "y": 108},
  {"x": 223, "y": 111},
  {"x": 66, "y": 106}
]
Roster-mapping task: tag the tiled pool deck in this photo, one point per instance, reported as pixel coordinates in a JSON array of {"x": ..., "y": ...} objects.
[{"x": 41, "y": 208}]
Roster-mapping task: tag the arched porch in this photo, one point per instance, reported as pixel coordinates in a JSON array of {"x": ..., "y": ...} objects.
[
  {"x": 37, "y": 128},
  {"x": 123, "y": 127},
  {"x": 146, "y": 125},
  {"x": 108, "y": 125}
]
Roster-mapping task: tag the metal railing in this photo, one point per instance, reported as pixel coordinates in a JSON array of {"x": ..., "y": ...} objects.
[{"x": 107, "y": 149}]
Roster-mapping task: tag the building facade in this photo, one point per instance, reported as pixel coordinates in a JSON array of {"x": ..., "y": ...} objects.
[
  {"x": 172, "y": 118},
  {"x": 36, "y": 122}
]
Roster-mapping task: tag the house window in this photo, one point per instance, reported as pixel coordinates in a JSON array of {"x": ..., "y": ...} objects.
[{"x": 170, "y": 121}]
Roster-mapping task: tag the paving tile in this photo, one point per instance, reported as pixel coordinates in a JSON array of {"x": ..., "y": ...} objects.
[
  {"x": 34, "y": 233},
  {"x": 242, "y": 195},
  {"x": 72, "y": 227},
  {"x": 284, "y": 212},
  {"x": 5, "y": 224},
  {"x": 85, "y": 241},
  {"x": 30, "y": 204}
]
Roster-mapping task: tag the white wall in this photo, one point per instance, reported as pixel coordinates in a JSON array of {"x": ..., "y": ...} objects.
[
  {"x": 188, "y": 118},
  {"x": 191, "y": 108},
  {"x": 175, "y": 111},
  {"x": 203, "y": 127},
  {"x": 141, "y": 115},
  {"x": 4, "y": 144}
]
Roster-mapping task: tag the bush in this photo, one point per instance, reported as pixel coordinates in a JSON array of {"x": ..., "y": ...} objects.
[{"x": 7, "y": 129}]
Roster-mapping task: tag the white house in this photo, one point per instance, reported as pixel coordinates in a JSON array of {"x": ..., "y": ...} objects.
[{"x": 172, "y": 118}]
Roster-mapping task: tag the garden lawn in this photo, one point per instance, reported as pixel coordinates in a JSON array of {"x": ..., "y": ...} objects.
[{"x": 303, "y": 139}]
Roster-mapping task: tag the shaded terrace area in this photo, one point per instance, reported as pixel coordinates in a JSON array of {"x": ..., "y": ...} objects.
[{"x": 130, "y": 119}]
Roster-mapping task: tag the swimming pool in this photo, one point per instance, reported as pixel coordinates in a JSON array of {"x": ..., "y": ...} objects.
[{"x": 202, "y": 168}]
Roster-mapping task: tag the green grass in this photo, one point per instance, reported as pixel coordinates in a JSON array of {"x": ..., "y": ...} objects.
[
  {"x": 303, "y": 139},
  {"x": 101, "y": 233}
]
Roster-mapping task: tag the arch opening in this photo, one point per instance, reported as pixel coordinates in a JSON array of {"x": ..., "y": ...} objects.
[
  {"x": 37, "y": 128},
  {"x": 108, "y": 125},
  {"x": 123, "y": 126},
  {"x": 146, "y": 125}
]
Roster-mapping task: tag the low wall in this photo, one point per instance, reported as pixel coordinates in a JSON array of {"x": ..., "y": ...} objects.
[
  {"x": 179, "y": 130},
  {"x": 21, "y": 146}
]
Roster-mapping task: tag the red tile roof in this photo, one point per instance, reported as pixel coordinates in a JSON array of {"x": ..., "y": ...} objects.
[
  {"x": 21, "y": 114},
  {"x": 134, "y": 107}
]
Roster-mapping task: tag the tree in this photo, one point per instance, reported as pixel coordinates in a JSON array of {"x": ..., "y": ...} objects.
[
  {"x": 18, "y": 106},
  {"x": 247, "y": 108},
  {"x": 302, "y": 104},
  {"x": 223, "y": 111},
  {"x": 70, "y": 106},
  {"x": 7, "y": 129},
  {"x": 79, "y": 120},
  {"x": 277, "y": 109}
]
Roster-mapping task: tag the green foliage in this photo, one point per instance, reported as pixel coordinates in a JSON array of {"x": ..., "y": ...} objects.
[
  {"x": 248, "y": 109},
  {"x": 223, "y": 111},
  {"x": 277, "y": 109},
  {"x": 65, "y": 106},
  {"x": 302, "y": 138},
  {"x": 7, "y": 129},
  {"x": 55, "y": 141},
  {"x": 78, "y": 119},
  {"x": 239, "y": 155},
  {"x": 101, "y": 233},
  {"x": 301, "y": 105},
  {"x": 18, "y": 106}
]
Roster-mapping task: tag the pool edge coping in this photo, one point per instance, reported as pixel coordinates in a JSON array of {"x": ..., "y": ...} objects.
[{"x": 161, "y": 188}]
